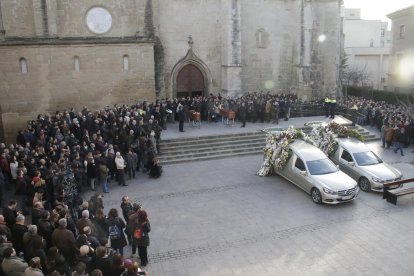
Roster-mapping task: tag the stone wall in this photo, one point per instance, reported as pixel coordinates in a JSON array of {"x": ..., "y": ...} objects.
[
  {"x": 66, "y": 18},
  {"x": 270, "y": 45},
  {"x": 52, "y": 83},
  {"x": 176, "y": 21},
  {"x": 127, "y": 17},
  {"x": 271, "y": 54},
  {"x": 329, "y": 51},
  {"x": 18, "y": 18}
]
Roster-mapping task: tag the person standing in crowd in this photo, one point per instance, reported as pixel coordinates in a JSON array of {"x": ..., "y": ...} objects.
[
  {"x": 5, "y": 167},
  {"x": 126, "y": 208},
  {"x": 399, "y": 140},
  {"x": 12, "y": 265},
  {"x": 117, "y": 265},
  {"x": 64, "y": 240},
  {"x": 90, "y": 170},
  {"x": 383, "y": 127},
  {"x": 4, "y": 229},
  {"x": 10, "y": 213},
  {"x": 34, "y": 268},
  {"x": 275, "y": 112},
  {"x": 132, "y": 162},
  {"x": 102, "y": 262},
  {"x": 152, "y": 143},
  {"x": 120, "y": 166},
  {"x": 116, "y": 231},
  {"x": 181, "y": 118},
  {"x": 18, "y": 230},
  {"x": 333, "y": 106},
  {"x": 103, "y": 173},
  {"x": 389, "y": 133},
  {"x": 142, "y": 240},
  {"x": 243, "y": 113},
  {"x": 132, "y": 225},
  {"x": 327, "y": 106}
]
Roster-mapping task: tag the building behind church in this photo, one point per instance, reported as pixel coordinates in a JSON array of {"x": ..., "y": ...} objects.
[{"x": 57, "y": 54}]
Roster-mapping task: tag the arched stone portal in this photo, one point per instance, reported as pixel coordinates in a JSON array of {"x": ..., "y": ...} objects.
[
  {"x": 190, "y": 82},
  {"x": 190, "y": 75}
]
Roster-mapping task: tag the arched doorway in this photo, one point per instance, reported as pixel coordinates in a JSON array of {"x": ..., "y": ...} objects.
[{"x": 190, "y": 82}]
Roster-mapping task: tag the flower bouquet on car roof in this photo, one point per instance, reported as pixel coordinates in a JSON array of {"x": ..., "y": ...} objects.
[
  {"x": 324, "y": 137},
  {"x": 277, "y": 152}
]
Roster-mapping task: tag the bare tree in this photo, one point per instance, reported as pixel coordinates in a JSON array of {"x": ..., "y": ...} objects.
[{"x": 353, "y": 75}]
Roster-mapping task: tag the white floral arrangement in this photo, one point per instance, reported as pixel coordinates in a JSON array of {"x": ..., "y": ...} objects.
[{"x": 276, "y": 151}]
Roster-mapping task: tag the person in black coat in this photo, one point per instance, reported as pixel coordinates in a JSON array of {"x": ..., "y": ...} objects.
[
  {"x": 10, "y": 213},
  {"x": 242, "y": 114},
  {"x": 100, "y": 223},
  {"x": 37, "y": 212},
  {"x": 45, "y": 228},
  {"x": 156, "y": 168},
  {"x": 18, "y": 231},
  {"x": 116, "y": 231},
  {"x": 126, "y": 208},
  {"x": 181, "y": 118},
  {"x": 103, "y": 261}
]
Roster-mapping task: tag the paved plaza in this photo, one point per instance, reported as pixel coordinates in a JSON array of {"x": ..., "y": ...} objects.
[{"x": 218, "y": 218}]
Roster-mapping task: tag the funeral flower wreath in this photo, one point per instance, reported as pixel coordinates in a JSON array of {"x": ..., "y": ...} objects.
[{"x": 277, "y": 152}]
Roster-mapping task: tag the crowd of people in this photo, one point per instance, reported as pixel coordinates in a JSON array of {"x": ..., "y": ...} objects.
[
  {"x": 56, "y": 243},
  {"x": 60, "y": 155},
  {"x": 395, "y": 122}
]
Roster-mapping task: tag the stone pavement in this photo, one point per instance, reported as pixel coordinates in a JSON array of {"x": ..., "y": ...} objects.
[{"x": 217, "y": 217}]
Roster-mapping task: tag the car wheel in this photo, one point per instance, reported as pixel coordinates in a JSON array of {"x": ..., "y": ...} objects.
[
  {"x": 364, "y": 184},
  {"x": 316, "y": 196}
]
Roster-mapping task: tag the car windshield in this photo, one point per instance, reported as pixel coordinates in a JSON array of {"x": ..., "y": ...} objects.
[
  {"x": 322, "y": 166},
  {"x": 367, "y": 158}
]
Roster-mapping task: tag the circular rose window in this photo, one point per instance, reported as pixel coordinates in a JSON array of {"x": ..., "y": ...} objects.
[{"x": 98, "y": 20}]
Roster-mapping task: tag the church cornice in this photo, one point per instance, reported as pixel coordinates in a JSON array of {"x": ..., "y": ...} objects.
[{"x": 26, "y": 41}]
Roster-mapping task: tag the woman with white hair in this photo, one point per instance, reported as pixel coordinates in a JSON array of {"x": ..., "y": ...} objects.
[{"x": 120, "y": 166}]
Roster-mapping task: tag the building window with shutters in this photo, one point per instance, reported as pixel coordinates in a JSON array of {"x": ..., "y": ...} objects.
[
  {"x": 76, "y": 64},
  {"x": 125, "y": 60},
  {"x": 23, "y": 65}
]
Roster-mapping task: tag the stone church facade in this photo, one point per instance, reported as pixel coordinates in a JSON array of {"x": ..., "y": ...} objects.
[{"x": 57, "y": 54}]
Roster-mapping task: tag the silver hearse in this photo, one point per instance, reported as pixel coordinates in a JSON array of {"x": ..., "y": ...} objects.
[
  {"x": 311, "y": 170},
  {"x": 359, "y": 162}
]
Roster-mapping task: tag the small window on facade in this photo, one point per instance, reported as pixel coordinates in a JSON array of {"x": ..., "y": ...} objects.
[
  {"x": 260, "y": 38},
  {"x": 126, "y": 63},
  {"x": 371, "y": 43},
  {"x": 383, "y": 80},
  {"x": 382, "y": 32},
  {"x": 23, "y": 65},
  {"x": 76, "y": 64},
  {"x": 402, "y": 31}
]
